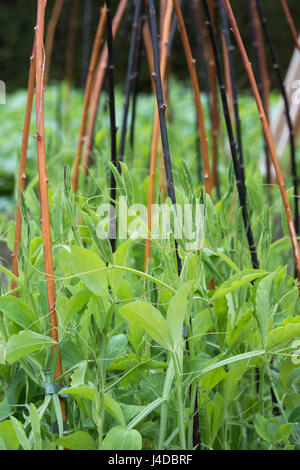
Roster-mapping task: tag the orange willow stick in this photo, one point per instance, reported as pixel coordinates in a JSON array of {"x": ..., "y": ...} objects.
[
  {"x": 98, "y": 84},
  {"x": 43, "y": 182},
  {"x": 268, "y": 135},
  {"x": 193, "y": 74},
  {"x": 156, "y": 127},
  {"x": 87, "y": 96},
  {"x": 291, "y": 23},
  {"x": 50, "y": 36},
  {"x": 22, "y": 168},
  {"x": 215, "y": 109}
]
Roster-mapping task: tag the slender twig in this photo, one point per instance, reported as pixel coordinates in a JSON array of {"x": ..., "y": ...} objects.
[
  {"x": 130, "y": 76},
  {"x": 156, "y": 126},
  {"x": 200, "y": 116},
  {"x": 263, "y": 81},
  {"x": 290, "y": 21},
  {"x": 43, "y": 182},
  {"x": 162, "y": 117},
  {"x": 268, "y": 134},
  {"x": 50, "y": 36},
  {"x": 112, "y": 115},
  {"x": 277, "y": 69},
  {"x": 233, "y": 145},
  {"x": 98, "y": 85},
  {"x": 87, "y": 95},
  {"x": 22, "y": 169}
]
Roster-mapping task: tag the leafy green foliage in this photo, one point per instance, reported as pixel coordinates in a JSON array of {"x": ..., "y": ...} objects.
[{"x": 139, "y": 348}]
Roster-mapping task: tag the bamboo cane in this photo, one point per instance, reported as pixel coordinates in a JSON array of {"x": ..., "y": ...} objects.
[
  {"x": 263, "y": 81},
  {"x": 98, "y": 84},
  {"x": 22, "y": 169},
  {"x": 112, "y": 114},
  {"x": 156, "y": 125},
  {"x": 290, "y": 21},
  {"x": 87, "y": 95},
  {"x": 50, "y": 36},
  {"x": 130, "y": 76},
  {"x": 43, "y": 183},
  {"x": 162, "y": 117},
  {"x": 135, "y": 86},
  {"x": 277, "y": 69},
  {"x": 215, "y": 108},
  {"x": 197, "y": 98},
  {"x": 267, "y": 131},
  {"x": 233, "y": 87},
  {"x": 233, "y": 145}
]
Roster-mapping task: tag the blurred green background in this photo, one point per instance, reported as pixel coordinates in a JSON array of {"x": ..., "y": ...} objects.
[{"x": 17, "y": 20}]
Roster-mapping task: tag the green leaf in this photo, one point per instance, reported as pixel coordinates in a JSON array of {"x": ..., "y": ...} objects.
[
  {"x": 120, "y": 438},
  {"x": 209, "y": 380},
  {"x": 77, "y": 441},
  {"x": 217, "y": 416},
  {"x": 89, "y": 268},
  {"x": 24, "y": 343},
  {"x": 262, "y": 306},
  {"x": 8, "y": 435},
  {"x": 238, "y": 280},
  {"x": 120, "y": 259},
  {"x": 114, "y": 409},
  {"x": 262, "y": 428},
  {"x": 73, "y": 306},
  {"x": 145, "y": 412},
  {"x": 285, "y": 333},
  {"x": 84, "y": 391},
  {"x": 5, "y": 409},
  {"x": 18, "y": 312},
  {"x": 283, "y": 432},
  {"x": 177, "y": 311},
  {"x": 36, "y": 427},
  {"x": 19, "y": 429},
  {"x": 150, "y": 319},
  {"x": 230, "y": 360}
]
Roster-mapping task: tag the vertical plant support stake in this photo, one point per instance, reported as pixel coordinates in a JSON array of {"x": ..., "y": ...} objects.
[
  {"x": 277, "y": 69},
  {"x": 87, "y": 95},
  {"x": 113, "y": 127},
  {"x": 233, "y": 146},
  {"x": 43, "y": 183},
  {"x": 130, "y": 76},
  {"x": 290, "y": 21},
  {"x": 156, "y": 126},
  {"x": 22, "y": 168},
  {"x": 267, "y": 131},
  {"x": 50, "y": 36},
  {"x": 162, "y": 116},
  {"x": 97, "y": 86},
  {"x": 200, "y": 116}
]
